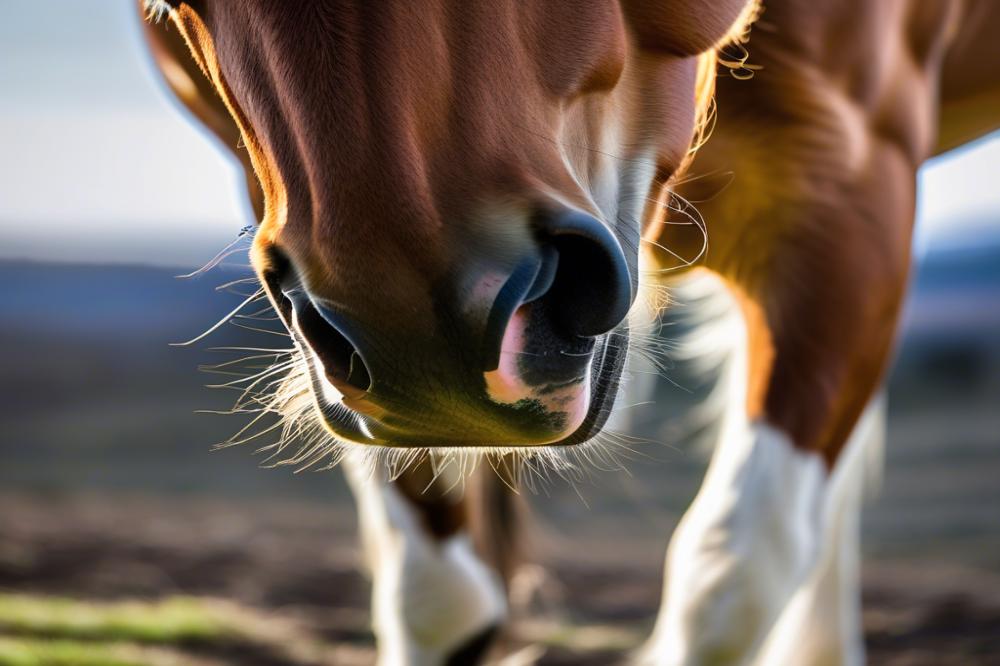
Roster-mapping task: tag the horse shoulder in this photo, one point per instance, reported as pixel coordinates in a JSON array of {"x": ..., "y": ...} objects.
[
  {"x": 970, "y": 77},
  {"x": 807, "y": 188}
]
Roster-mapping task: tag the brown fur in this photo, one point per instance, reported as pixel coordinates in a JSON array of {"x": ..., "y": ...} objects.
[{"x": 808, "y": 187}]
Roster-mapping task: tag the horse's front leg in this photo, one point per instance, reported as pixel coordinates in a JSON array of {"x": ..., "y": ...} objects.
[
  {"x": 751, "y": 534},
  {"x": 811, "y": 336},
  {"x": 763, "y": 566},
  {"x": 434, "y": 601}
]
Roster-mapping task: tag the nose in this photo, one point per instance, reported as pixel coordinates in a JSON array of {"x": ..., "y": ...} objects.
[
  {"x": 579, "y": 282},
  {"x": 425, "y": 382},
  {"x": 326, "y": 337},
  {"x": 591, "y": 292}
]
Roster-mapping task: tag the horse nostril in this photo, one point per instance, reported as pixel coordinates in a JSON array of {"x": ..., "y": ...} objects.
[
  {"x": 592, "y": 285},
  {"x": 340, "y": 358},
  {"x": 579, "y": 282}
]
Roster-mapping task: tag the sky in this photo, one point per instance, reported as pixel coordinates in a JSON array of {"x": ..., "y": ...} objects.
[{"x": 99, "y": 164}]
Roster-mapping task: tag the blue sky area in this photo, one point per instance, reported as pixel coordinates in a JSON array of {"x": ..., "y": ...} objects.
[{"x": 99, "y": 165}]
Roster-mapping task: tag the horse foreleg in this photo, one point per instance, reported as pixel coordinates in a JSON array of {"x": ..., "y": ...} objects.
[
  {"x": 749, "y": 554},
  {"x": 804, "y": 605},
  {"x": 752, "y": 533},
  {"x": 822, "y": 623},
  {"x": 434, "y": 602}
]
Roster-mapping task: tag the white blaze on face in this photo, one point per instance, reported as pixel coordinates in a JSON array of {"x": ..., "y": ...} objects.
[{"x": 505, "y": 384}]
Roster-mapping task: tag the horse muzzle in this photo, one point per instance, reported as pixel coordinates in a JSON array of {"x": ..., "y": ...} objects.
[{"x": 538, "y": 366}]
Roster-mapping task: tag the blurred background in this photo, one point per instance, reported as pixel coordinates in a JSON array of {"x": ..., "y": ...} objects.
[{"x": 124, "y": 538}]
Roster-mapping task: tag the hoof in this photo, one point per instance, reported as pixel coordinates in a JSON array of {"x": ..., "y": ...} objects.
[{"x": 472, "y": 651}]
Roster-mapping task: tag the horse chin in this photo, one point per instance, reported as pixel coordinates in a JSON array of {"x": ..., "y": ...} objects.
[{"x": 354, "y": 427}]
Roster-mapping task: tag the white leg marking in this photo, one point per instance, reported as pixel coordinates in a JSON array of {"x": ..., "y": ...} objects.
[
  {"x": 822, "y": 624},
  {"x": 428, "y": 596},
  {"x": 750, "y": 536},
  {"x": 748, "y": 540}
]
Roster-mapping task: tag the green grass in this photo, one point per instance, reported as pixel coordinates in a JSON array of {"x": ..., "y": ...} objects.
[
  {"x": 175, "y": 631},
  {"x": 173, "y": 620},
  {"x": 34, "y": 652}
]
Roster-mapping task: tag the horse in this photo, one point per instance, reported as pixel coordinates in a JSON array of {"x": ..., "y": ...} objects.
[{"x": 459, "y": 204}]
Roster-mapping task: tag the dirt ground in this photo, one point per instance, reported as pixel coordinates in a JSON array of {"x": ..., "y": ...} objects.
[{"x": 285, "y": 576}]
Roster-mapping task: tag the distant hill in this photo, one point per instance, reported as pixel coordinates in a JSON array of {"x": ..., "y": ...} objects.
[
  {"x": 112, "y": 302},
  {"x": 957, "y": 291}
]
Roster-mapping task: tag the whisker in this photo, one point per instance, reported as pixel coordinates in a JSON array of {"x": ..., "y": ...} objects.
[
  {"x": 240, "y": 281},
  {"x": 219, "y": 323},
  {"x": 223, "y": 254},
  {"x": 256, "y": 329},
  {"x": 253, "y": 349}
]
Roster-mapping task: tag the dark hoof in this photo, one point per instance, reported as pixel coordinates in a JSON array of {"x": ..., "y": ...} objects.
[{"x": 472, "y": 651}]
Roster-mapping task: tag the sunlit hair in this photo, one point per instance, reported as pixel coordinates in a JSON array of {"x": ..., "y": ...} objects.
[
  {"x": 156, "y": 10},
  {"x": 669, "y": 207}
]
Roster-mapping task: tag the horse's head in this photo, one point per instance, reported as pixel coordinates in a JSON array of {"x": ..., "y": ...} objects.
[{"x": 454, "y": 195}]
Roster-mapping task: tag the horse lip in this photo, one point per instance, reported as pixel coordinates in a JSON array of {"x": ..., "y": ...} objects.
[
  {"x": 340, "y": 419},
  {"x": 605, "y": 373}
]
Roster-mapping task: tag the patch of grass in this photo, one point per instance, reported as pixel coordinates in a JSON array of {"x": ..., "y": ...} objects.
[
  {"x": 175, "y": 631},
  {"x": 173, "y": 620},
  {"x": 34, "y": 652}
]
